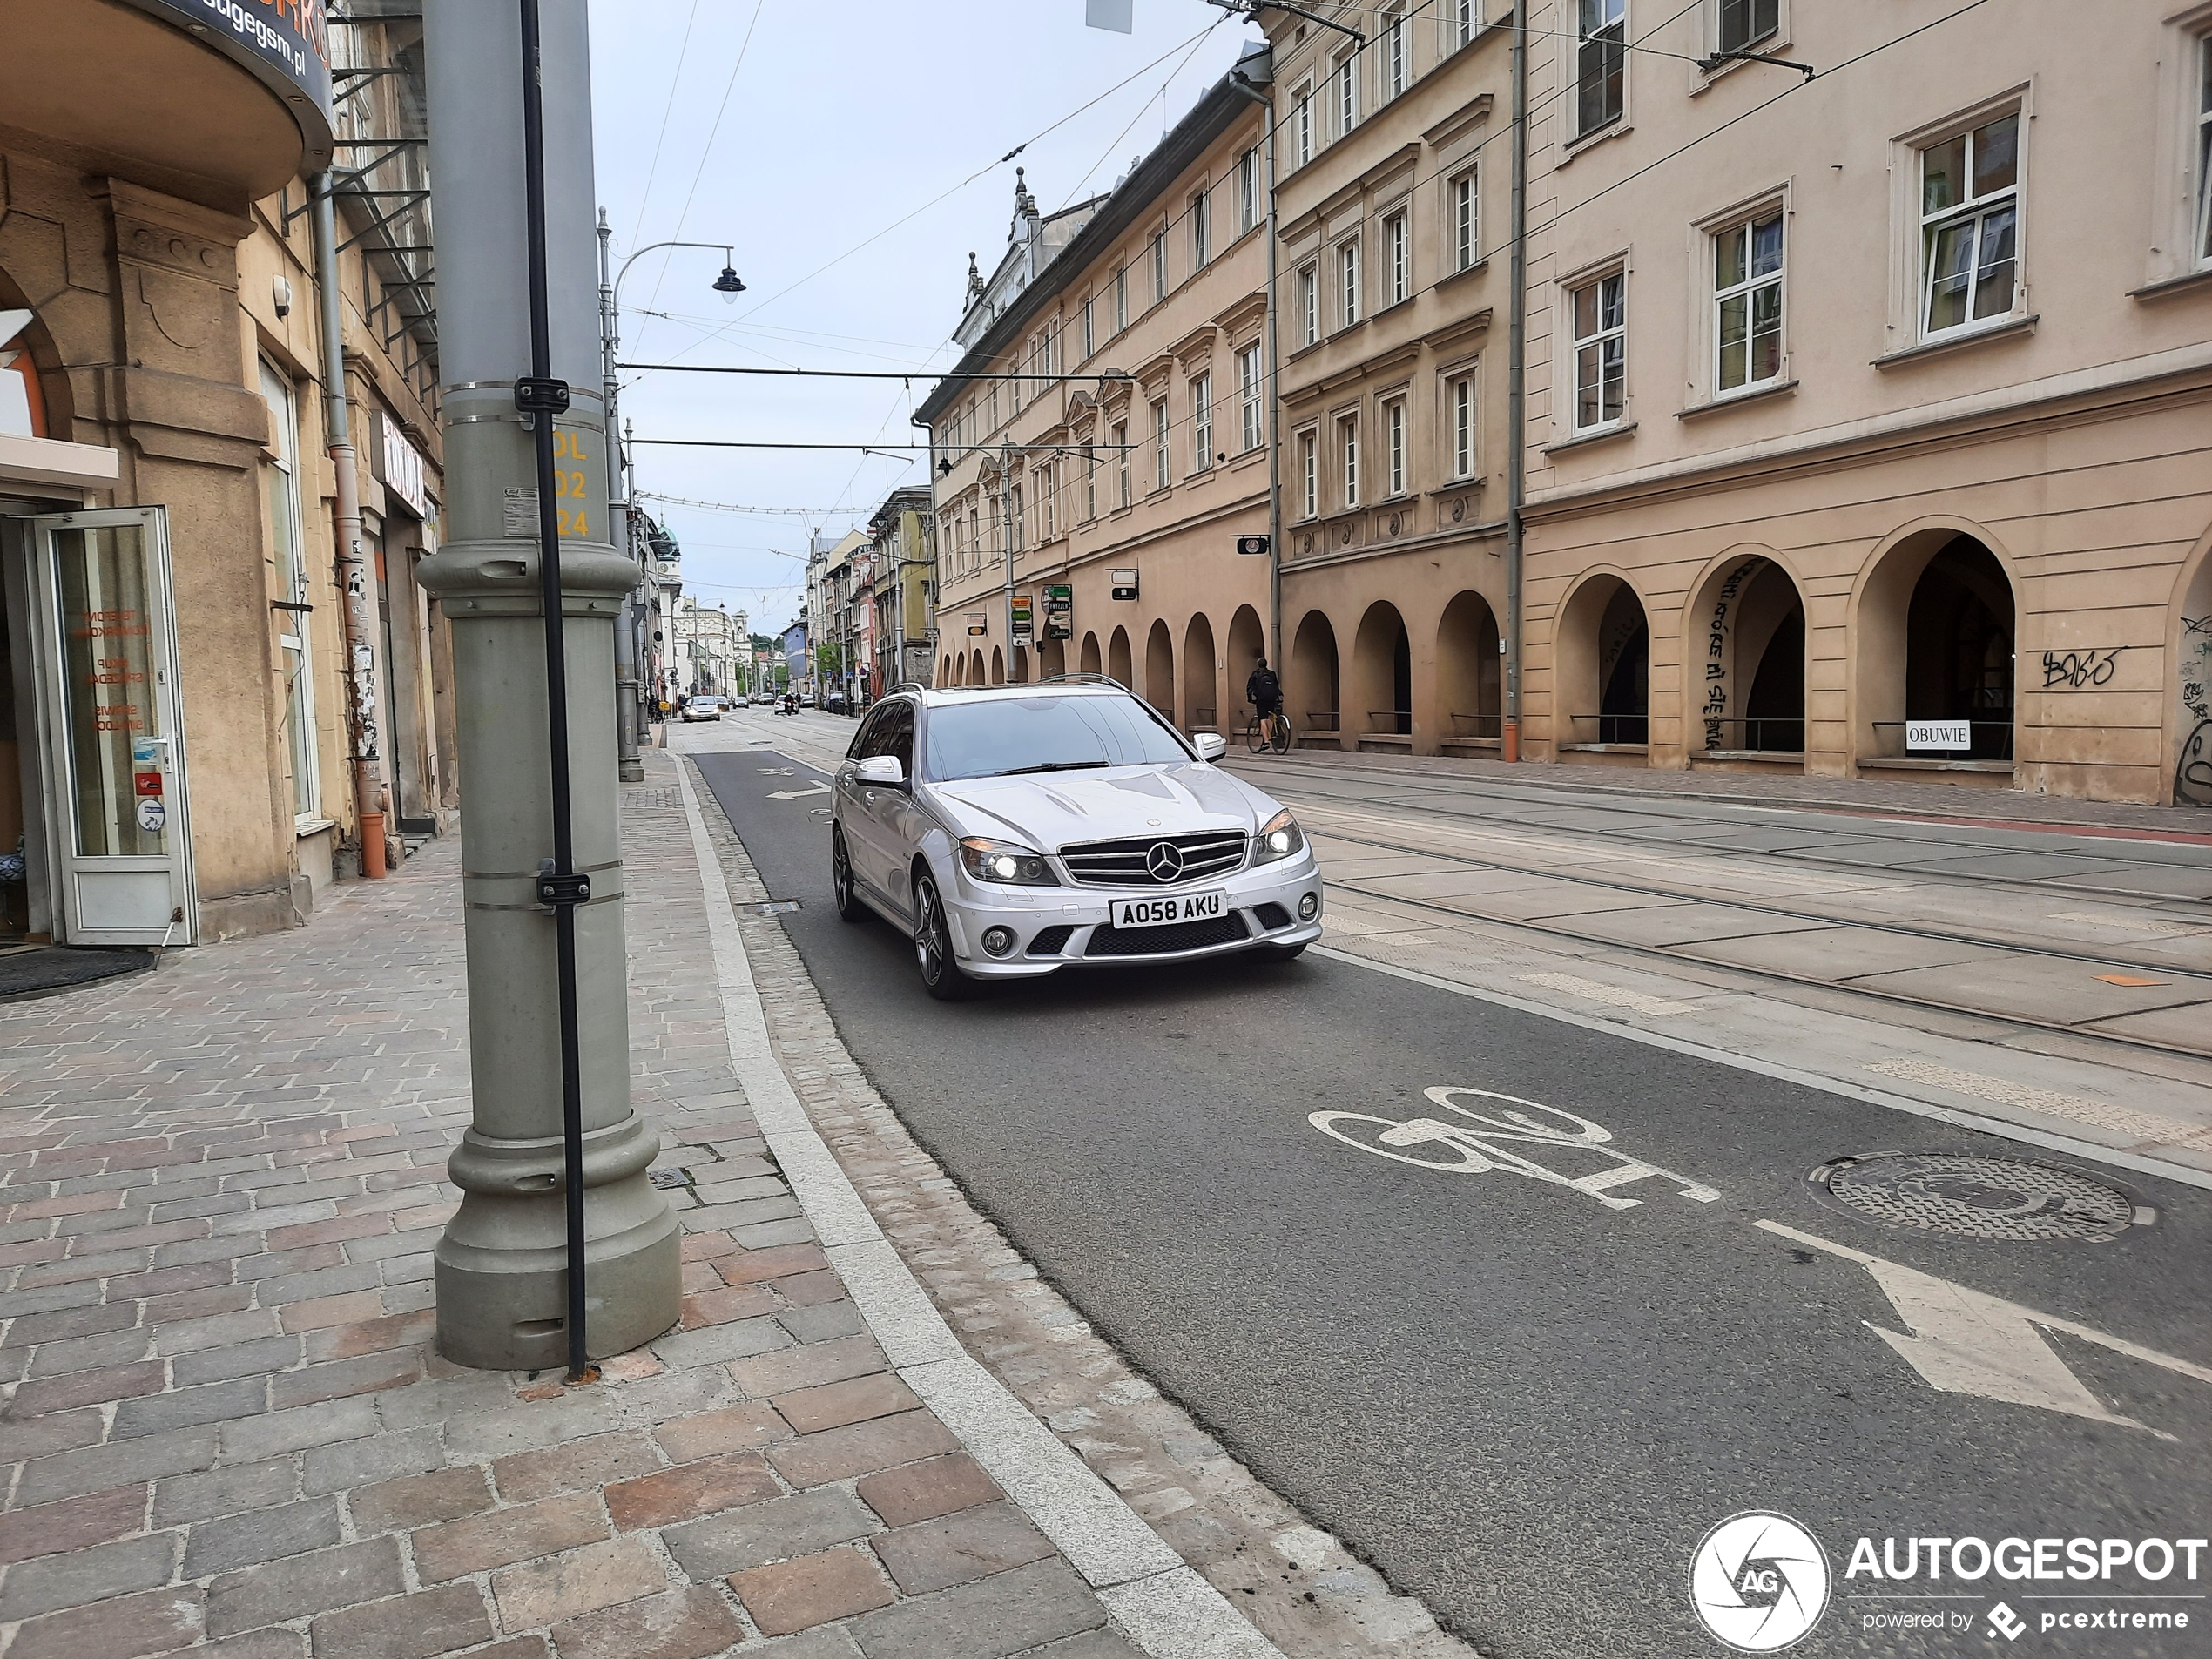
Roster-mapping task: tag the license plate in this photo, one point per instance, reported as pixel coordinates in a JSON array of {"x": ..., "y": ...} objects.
[{"x": 1153, "y": 912}]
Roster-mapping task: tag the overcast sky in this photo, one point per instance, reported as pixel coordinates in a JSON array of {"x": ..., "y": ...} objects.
[{"x": 804, "y": 131}]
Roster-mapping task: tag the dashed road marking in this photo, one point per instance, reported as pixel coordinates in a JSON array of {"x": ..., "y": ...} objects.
[
  {"x": 1616, "y": 996},
  {"x": 2077, "y": 1108}
]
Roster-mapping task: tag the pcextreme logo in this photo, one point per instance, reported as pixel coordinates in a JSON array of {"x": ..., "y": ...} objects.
[{"x": 1759, "y": 1581}]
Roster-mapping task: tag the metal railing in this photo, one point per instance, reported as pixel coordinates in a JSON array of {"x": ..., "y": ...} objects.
[
  {"x": 1756, "y": 734},
  {"x": 1323, "y": 720},
  {"x": 1986, "y": 740},
  {"x": 1612, "y": 728},
  {"x": 1202, "y": 718},
  {"x": 1477, "y": 725},
  {"x": 1390, "y": 723}
]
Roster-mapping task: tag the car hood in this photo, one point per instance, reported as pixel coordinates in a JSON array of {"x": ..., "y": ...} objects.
[{"x": 1048, "y": 810}]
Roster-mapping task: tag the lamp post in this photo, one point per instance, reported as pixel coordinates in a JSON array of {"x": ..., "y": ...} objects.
[{"x": 729, "y": 285}]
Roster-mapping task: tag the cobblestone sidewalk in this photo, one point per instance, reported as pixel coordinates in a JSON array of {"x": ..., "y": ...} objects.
[{"x": 226, "y": 1431}]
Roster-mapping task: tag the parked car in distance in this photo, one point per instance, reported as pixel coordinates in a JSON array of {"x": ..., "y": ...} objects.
[
  {"x": 1015, "y": 831},
  {"x": 703, "y": 708}
]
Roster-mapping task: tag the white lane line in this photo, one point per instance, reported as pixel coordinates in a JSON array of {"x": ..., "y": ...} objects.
[
  {"x": 1171, "y": 1611},
  {"x": 1975, "y": 1121},
  {"x": 2130, "y": 924},
  {"x": 1967, "y": 1342},
  {"x": 2080, "y": 1109}
]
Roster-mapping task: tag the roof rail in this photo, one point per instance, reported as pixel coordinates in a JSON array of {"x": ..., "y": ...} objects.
[{"x": 1082, "y": 679}]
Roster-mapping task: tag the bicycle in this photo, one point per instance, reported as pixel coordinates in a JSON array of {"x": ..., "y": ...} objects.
[{"x": 1273, "y": 732}]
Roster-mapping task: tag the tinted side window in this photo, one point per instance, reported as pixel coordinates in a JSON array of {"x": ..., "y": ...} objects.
[
  {"x": 898, "y": 735},
  {"x": 865, "y": 737}
]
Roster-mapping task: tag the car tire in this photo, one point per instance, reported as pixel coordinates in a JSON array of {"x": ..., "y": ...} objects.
[
  {"x": 1278, "y": 953},
  {"x": 849, "y": 907},
  {"x": 940, "y": 975}
]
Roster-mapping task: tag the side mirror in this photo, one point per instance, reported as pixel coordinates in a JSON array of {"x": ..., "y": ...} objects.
[
  {"x": 1211, "y": 746},
  {"x": 883, "y": 771}
]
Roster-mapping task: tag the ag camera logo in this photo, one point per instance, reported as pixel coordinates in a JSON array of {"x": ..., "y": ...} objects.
[{"x": 1759, "y": 1581}]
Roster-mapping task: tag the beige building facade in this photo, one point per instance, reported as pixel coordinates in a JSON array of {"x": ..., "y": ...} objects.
[
  {"x": 1867, "y": 414},
  {"x": 177, "y": 762},
  {"x": 1106, "y": 435}
]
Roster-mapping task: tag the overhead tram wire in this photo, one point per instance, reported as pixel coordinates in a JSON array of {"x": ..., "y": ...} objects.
[
  {"x": 979, "y": 172},
  {"x": 645, "y": 200},
  {"x": 707, "y": 153}
]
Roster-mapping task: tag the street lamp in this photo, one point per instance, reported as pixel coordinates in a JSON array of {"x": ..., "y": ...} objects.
[{"x": 729, "y": 285}]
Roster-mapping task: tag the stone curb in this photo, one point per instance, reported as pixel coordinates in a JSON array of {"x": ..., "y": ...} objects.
[{"x": 1168, "y": 1609}]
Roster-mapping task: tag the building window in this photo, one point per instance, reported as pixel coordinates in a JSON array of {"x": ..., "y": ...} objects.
[
  {"x": 1160, "y": 445},
  {"x": 1394, "y": 447},
  {"x": 1747, "y": 288},
  {"x": 1970, "y": 225},
  {"x": 1121, "y": 452},
  {"x": 1347, "y": 94},
  {"x": 1398, "y": 253},
  {"x": 1120, "y": 299},
  {"x": 1091, "y": 484},
  {"x": 1601, "y": 63},
  {"x": 1309, "y": 305},
  {"x": 1247, "y": 191},
  {"x": 1309, "y": 473},
  {"x": 2204, "y": 151},
  {"x": 993, "y": 400},
  {"x": 1601, "y": 351},
  {"x": 1201, "y": 422},
  {"x": 1464, "y": 227},
  {"x": 1047, "y": 505},
  {"x": 1348, "y": 446},
  {"x": 1302, "y": 126},
  {"x": 281, "y": 475},
  {"x": 1090, "y": 340},
  {"x": 1743, "y": 22},
  {"x": 1397, "y": 60},
  {"x": 1463, "y": 427},
  {"x": 1248, "y": 382},
  {"x": 1466, "y": 16},
  {"x": 1020, "y": 521},
  {"x": 1201, "y": 232},
  {"x": 1159, "y": 266},
  {"x": 1348, "y": 281}
]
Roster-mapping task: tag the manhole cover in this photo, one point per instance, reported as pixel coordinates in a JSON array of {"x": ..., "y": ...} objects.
[
  {"x": 1971, "y": 1197},
  {"x": 666, "y": 1178}
]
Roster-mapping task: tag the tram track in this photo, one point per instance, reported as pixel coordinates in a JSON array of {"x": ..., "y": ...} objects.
[{"x": 1429, "y": 791}]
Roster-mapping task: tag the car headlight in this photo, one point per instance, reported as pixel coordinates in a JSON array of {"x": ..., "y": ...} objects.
[
  {"x": 1001, "y": 861},
  {"x": 1279, "y": 838}
]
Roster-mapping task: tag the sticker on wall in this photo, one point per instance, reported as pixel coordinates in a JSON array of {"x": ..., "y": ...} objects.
[{"x": 151, "y": 813}]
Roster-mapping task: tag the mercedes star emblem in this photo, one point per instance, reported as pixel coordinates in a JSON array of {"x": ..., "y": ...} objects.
[{"x": 1164, "y": 862}]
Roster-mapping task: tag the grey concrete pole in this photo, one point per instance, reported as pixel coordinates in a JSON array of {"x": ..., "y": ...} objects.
[
  {"x": 1516, "y": 392},
  {"x": 502, "y": 1272}
]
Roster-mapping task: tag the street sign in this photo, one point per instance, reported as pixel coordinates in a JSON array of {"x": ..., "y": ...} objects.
[
  {"x": 1252, "y": 545},
  {"x": 1019, "y": 627},
  {"x": 1938, "y": 734},
  {"x": 1059, "y": 611},
  {"x": 1116, "y": 14},
  {"x": 1122, "y": 583},
  {"x": 978, "y": 626}
]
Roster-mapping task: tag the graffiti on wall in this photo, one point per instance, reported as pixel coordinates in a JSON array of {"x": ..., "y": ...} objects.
[
  {"x": 2193, "y": 772},
  {"x": 2076, "y": 669},
  {"x": 1715, "y": 709}
]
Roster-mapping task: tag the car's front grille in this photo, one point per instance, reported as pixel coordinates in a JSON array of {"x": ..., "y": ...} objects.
[
  {"x": 1161, "y": 942},
  {"x": 1050, "y": 941},
  {"x": 1136, "y": 864}
]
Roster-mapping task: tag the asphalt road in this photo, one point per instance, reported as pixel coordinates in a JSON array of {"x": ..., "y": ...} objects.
[{"x": 1523, "y": 1404}]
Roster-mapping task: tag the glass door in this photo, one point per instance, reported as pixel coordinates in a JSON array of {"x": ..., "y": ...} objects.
[{"x": 108, "y": 688}]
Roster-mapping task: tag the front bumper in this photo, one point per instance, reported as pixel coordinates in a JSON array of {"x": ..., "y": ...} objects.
[{"x": 972, "y": 908}]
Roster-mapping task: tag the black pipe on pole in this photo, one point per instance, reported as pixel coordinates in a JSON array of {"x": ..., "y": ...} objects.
[{"x": 541, "y": 397}]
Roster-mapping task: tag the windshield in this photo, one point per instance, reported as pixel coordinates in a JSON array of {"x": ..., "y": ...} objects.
[{"x": 1004, "y": 736}]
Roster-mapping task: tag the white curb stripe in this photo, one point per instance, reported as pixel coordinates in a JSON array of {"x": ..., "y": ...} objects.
[{"x": 1169, "y": 1610}]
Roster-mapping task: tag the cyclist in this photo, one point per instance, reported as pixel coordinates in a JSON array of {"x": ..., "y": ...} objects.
[{"x": 1264, "y": 692}]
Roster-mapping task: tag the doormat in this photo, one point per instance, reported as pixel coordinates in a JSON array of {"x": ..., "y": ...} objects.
[{"x": 26, "y": 974}]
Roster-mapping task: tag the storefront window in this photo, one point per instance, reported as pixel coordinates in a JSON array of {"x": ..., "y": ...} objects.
[
  {"x": 108, "y": 686},
  {"x": 281, "y": 475}
]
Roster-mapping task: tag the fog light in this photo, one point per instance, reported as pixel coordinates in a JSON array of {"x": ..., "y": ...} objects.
[
  {"x": 1309, "y": 906},
  {"x": 998, "y": 941}
]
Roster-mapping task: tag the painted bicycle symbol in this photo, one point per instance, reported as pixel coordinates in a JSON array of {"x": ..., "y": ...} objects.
[{"x": 1470, "y": 1143}]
